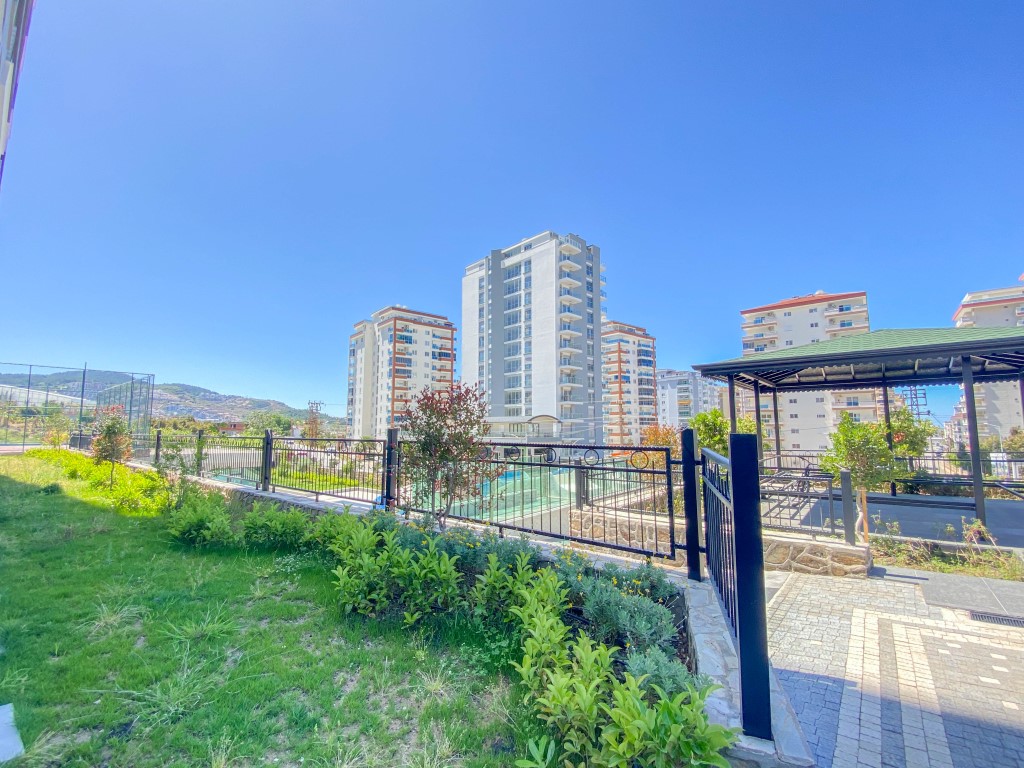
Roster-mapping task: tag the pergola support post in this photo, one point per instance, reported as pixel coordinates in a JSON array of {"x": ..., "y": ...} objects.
[
  {"x": 732, "y": 404},
  {"x": 975, "y": 441},
  {"x": 888, "y": 427},
  {"x": 757, "y": 430},
  {"x": 778, "y": 433}
]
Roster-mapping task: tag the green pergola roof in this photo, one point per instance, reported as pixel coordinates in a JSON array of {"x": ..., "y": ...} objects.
[{"x": 881, "y": 358}]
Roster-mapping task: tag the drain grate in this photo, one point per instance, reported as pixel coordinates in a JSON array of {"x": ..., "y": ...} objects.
[{"x": 996, "y": 618}]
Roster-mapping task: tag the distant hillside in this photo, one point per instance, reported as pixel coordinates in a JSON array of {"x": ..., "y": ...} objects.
[
  {"x": 204, "y": 404},
  {"x": 169, "y": 400}
]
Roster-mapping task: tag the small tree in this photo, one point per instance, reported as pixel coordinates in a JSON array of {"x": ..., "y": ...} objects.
[
  {"x": 1014, "y": 442},
  {"x": 113, "y": 441},
  {"x": 861, "y": 448},
  {"x": 58, "y": 429},
  {"x": 909, "y": 433},
  {"x": 664, "y": 436},
  {"x": 712, "y": 429},
  {"x": 260, "y": 421},
  {"x": 442, "y": 460}
]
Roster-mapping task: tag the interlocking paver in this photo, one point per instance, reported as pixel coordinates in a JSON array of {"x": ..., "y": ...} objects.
[{"x": 880, "y": 679}]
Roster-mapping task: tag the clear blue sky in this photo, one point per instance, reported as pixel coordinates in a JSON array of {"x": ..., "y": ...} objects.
[{"x": 214, "y": 192}]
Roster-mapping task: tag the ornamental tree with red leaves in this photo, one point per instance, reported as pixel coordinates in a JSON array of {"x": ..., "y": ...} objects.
[{"x": 442, "y": 459}]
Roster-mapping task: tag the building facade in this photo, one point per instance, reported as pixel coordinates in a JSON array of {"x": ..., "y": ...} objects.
[
  {"x": 806, "y": 419},
  {"x": 392, "y": 357},
  {"x": 628, "y": 366},
  {"x": 684, "y": 394},
  {"x": 15, "y": 16},
  {"x": 998, "y": 404},
  {"x": 531, "y": 332}
]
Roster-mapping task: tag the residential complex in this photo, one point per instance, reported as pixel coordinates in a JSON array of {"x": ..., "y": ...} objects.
[
  {"x": 998, "y": 404},
  {"x": 531, "y": 330},
  {"x": 806, "y": 419},
  {"x": 391, "y": 358},
  {"x": 14, "y": 22},
  {"x": 628, "y": 365},
  {"x": 684, "y": 394}
]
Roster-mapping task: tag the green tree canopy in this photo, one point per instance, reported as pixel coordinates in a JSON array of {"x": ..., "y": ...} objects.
[
  {"x": 909, "y": 433},
  {"x": 712, "y": 429},
  {"x": 1014, "y": 443},
  {"x": 113, "y": 441},
  {"x": 260, "y": 421},
  {"x": 861, "y": 447}
]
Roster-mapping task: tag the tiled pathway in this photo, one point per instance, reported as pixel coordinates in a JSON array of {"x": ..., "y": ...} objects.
[{"x": 881, "y": 679}]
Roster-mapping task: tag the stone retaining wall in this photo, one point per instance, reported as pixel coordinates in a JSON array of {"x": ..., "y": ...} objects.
[{"x": 781, "y": 552}]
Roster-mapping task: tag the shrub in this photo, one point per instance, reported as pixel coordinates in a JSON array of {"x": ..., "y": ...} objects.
[
  {"x": 473, "y": 551},
  {"x": 632, "y": 621},
  {"x": 267, "y": 526},
  {"x": 201, "y": 521},
  {"x": 656, "y": 668},
  {"x": 329, "y": 529},
  {"x": 643, "y": 580}
]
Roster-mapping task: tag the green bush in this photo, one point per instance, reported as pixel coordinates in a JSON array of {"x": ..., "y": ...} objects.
[
  {"x": 473, "y": 551},
  {"x": 656, "y": 668},
  {"x": 202, "y": 521},
  {"x": 133, "y": 492},
  {"x": 633, "y": 622},
  {"x": 326, "y": 530},
  {"x": 267, "y": 526}
]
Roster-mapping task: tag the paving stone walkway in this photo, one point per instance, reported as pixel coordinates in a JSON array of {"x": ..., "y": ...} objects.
[{"x": 881, "y": 679}]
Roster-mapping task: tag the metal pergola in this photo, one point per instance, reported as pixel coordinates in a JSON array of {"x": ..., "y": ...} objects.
[{"x": 882, "y": 359}]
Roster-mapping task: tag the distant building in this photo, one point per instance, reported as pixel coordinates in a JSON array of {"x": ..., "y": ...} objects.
[
  {"x": 806, "y": 419},
  {"x": 15, "y": 16},
  {"x": 998, "y": 404},
  {"x": 391, "y": 358},
  {"x": 684, "y": 394},
  {"x": 628, "y": 365},
  {"x": 531, "y": 330},
  {"x": 230, "y": 428}
]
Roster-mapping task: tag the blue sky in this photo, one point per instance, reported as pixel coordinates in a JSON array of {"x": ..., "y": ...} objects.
[{"x": 214, "y": 192}]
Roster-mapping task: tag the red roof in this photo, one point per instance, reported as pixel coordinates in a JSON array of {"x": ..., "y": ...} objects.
[
  {"x": 987, "y": 303},
  {"x": 799, "y": 301}
]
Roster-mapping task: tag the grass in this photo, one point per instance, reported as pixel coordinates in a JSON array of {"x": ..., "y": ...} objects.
[{"x": 121, "y": 649}]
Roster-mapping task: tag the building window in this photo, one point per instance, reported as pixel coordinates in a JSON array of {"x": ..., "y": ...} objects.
[
  {"x": 794, "y": 415},
  {"x": 812, "y": 310},
  {"x": 792, "y": 401},
  {"x": 787, "y": 314},
  {"x": 814, "y": 325}
]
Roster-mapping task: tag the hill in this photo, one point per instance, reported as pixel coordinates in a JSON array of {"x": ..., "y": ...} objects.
[{"x": 206, "y": 405}]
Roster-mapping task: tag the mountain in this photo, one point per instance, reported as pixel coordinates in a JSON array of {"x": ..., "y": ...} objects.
[
  {"x": 169, "y": 400},
  {"x": 206, "y": 405}
]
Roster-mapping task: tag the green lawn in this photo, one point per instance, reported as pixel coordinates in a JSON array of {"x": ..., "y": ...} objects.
[{"x": 120, "y": 648}]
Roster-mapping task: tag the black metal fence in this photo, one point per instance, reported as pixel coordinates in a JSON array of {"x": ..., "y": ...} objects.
[
  {"x": 612, "y": 496},
  {"x": 729, "y": 493},
  {"x": 950, "y": 465}
]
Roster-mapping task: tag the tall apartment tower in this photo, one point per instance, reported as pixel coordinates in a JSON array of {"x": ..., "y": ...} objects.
[
  {"x": 628, "y": 365},
  {"x": 392, "y": 357},
  {"x": 806, "y": 419},
  {"x": 998, "y": 404},
  {"x": 14, "y": 21},
  {"x": 684, "y": 394},
  {"x": 531, "y": 330}
]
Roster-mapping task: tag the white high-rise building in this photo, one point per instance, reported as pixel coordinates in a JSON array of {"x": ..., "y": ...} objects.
[
  {"x": 15, "y": 16},
  {"x": 806, "y": 419},
  {"x": 531, "y": 332},
  {"x": 998, "y": 404},
  {"x": 392, "y": 357},
  {"x": 684, "y": 394},
  {"x": 630, "y": 401}
]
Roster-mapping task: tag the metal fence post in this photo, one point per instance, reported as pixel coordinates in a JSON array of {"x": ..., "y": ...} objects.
[
  {"x": 578, "y": 481},
  {"x": 751, "y": 614},
  {"x": 156, "y": 449},
  {"x": 199, "y": 453},
  {"x": 849, "y": 508},
  {"x": 268, "y": 460},
  {"x": 390, "y": 479},
  {"x": 689, "y": 473}
]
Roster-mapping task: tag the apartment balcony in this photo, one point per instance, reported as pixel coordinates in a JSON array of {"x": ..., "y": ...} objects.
[
  {"x": 765, "y": 336},
  {"x": 768, "y": 319},
  {"x": 569, "y": 365},
  {"x": 567, "y": 331},
  {"x": 569, "y": 316},
  {"x": 858, "y": 325},
  {"x": 855, "y": 309},
  {"x": 569, "y": 297},
  {"x": 569, "y": 249},
  {"x": 569, "y": 381},
  {"x": 853, "y": 405},
  {"x": 1019, "y": 311},
  {"x": 568, "y": 281}
]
